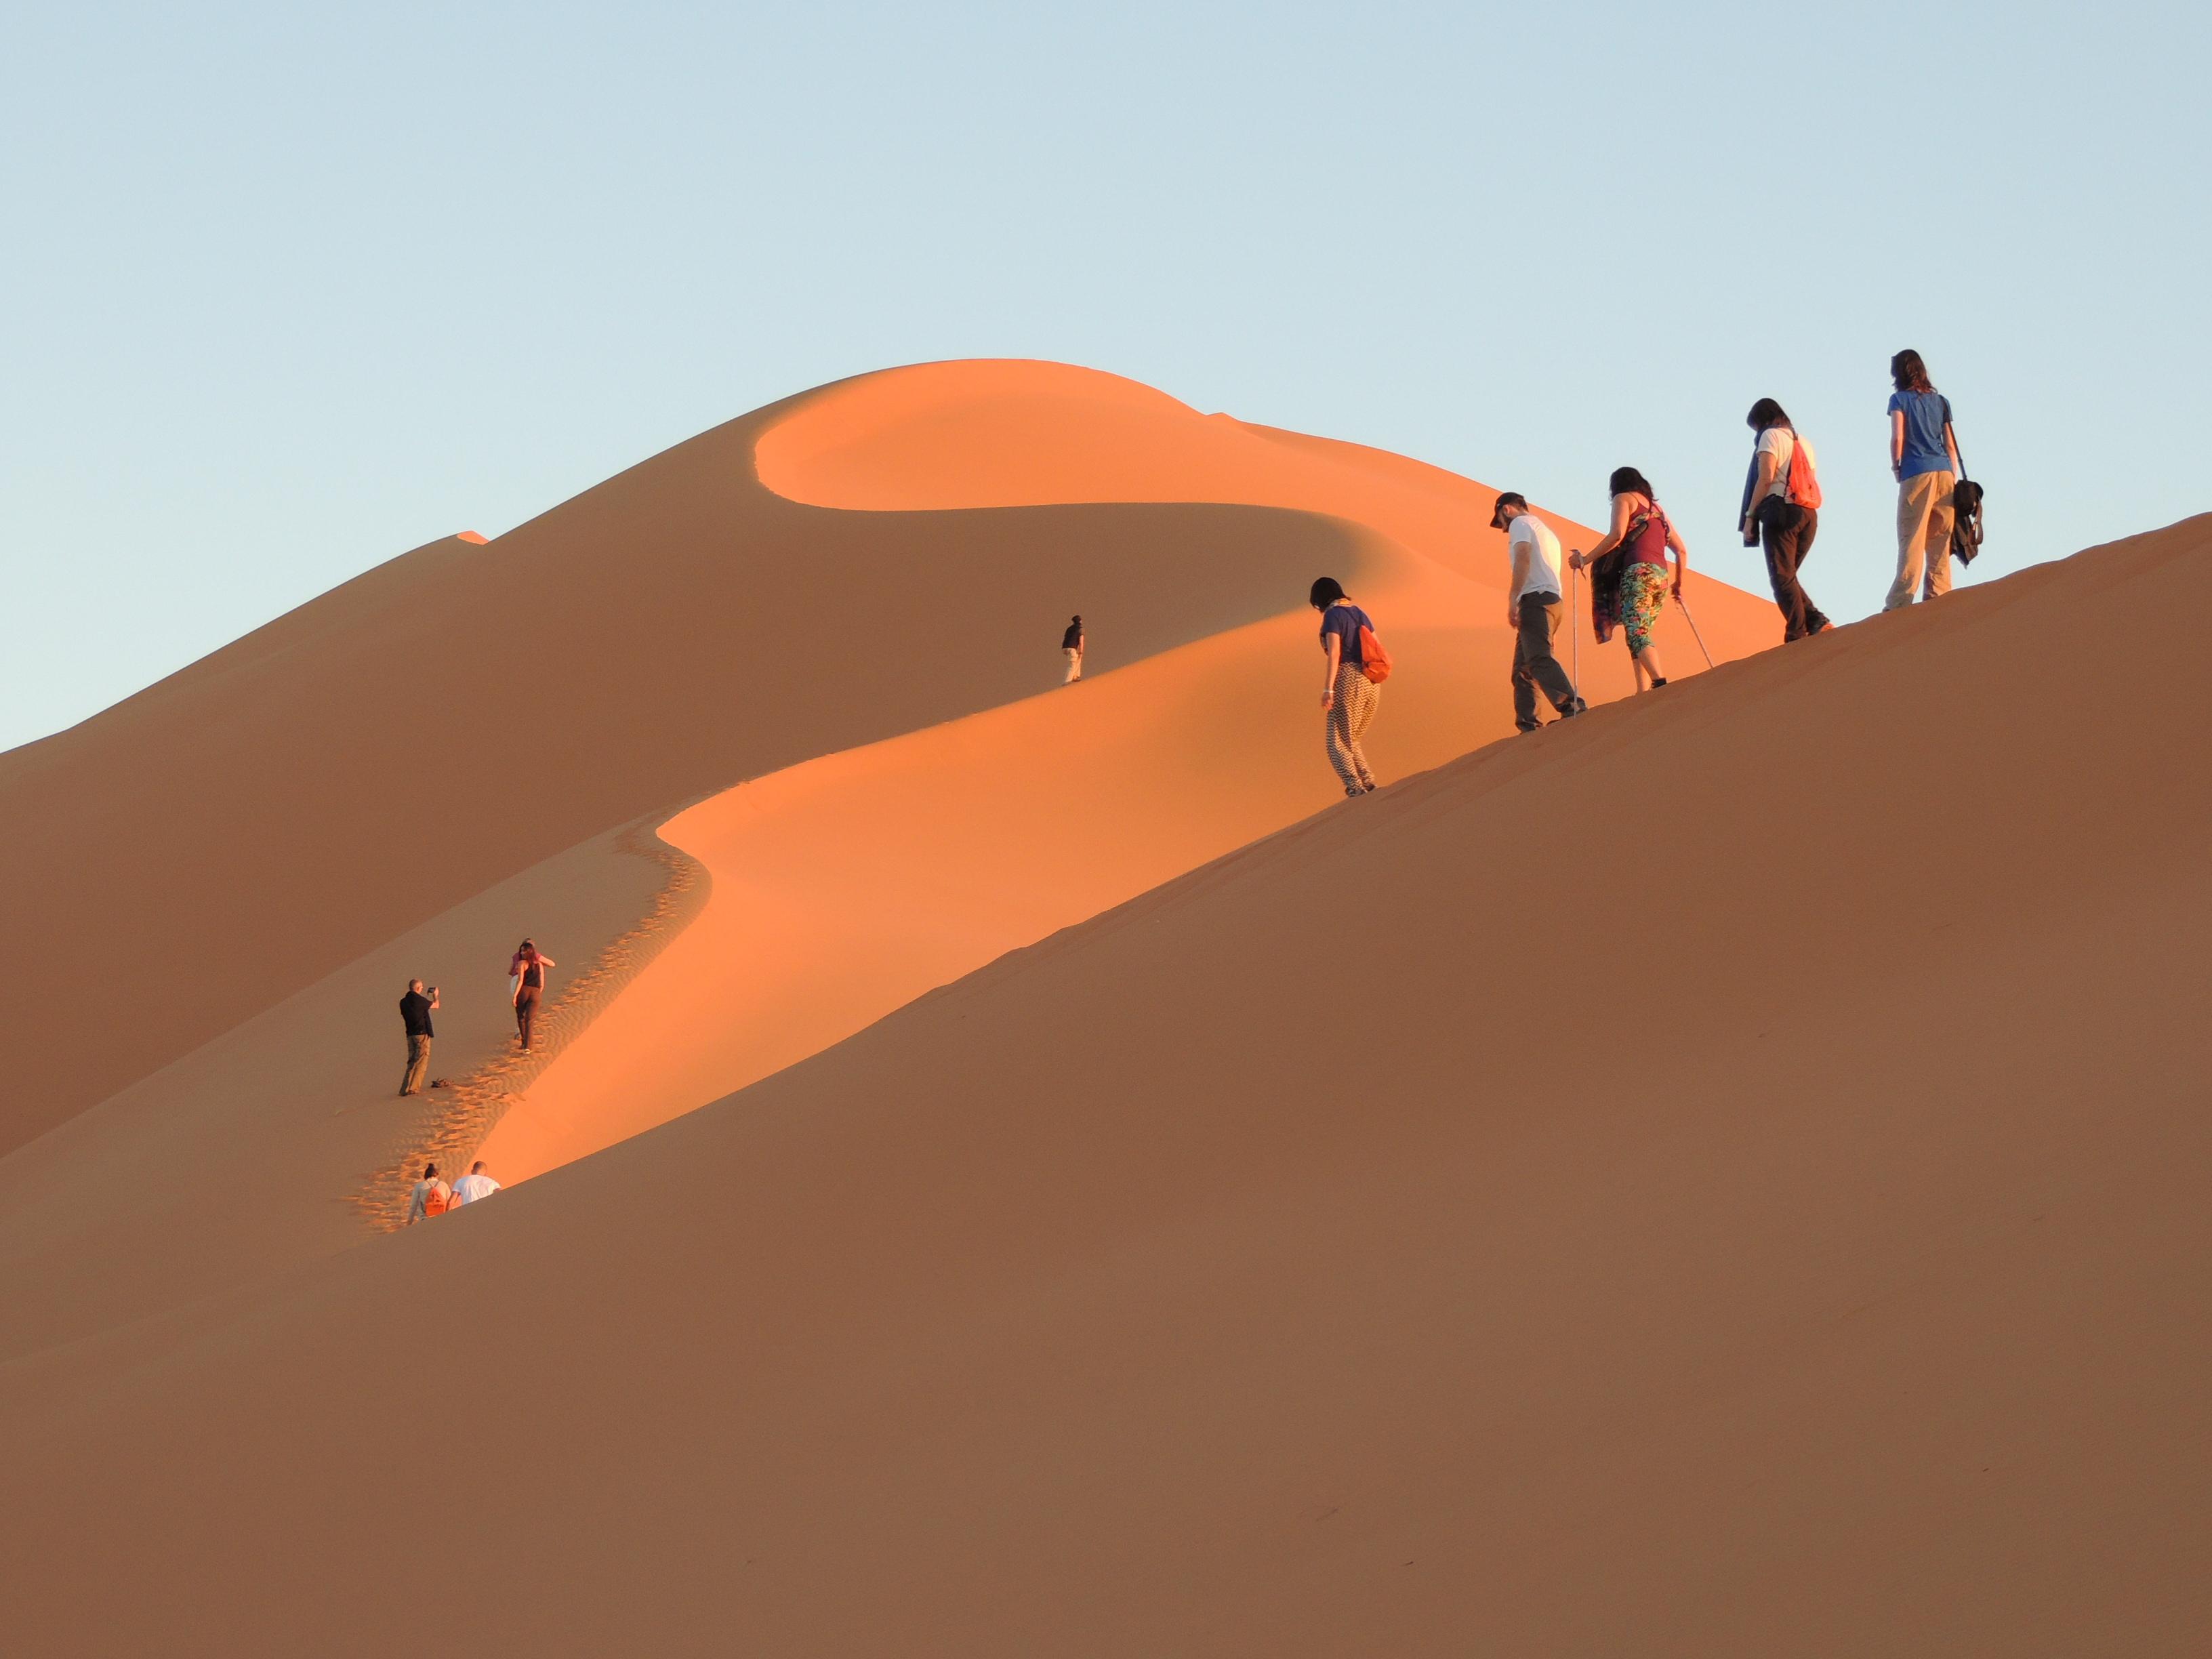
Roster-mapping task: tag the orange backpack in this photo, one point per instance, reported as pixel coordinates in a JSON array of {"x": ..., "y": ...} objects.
[
  {"x": 1376, "y": 661},
  {"x": 1804, "y": 485},
  {"x": 435, "y": 1202}
]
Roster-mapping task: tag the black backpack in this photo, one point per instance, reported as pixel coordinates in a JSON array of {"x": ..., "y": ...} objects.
[{"x": 1966, "y": 510}]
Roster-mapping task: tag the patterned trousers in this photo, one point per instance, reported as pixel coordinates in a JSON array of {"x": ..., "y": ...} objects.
[{"x": 1349, "y": 716}]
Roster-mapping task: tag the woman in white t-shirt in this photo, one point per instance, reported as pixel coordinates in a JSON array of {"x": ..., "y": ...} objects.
[{"x": 1782, "y": 504}]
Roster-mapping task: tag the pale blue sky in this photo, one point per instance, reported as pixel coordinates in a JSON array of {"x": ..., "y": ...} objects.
[{"x": 289, "y": 289}]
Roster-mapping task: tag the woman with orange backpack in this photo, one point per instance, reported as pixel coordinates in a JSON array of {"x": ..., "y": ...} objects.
[
  {"x": 1356, "y": 665},
  {"x": 432, "y": 1197},
  {"x": 1781, "y": 502},
  {"x": 1628, "y": 571}
]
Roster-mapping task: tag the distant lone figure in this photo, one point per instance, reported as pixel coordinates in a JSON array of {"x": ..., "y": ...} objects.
[
  {"x": 1533, "y": 609},
  {"x": 474, "y": 1185},
  {"x": 1628, "y": 571},
  {"x": 415, "y": 1013},
  {"x": 1782, "y": 503},
  {"x": 1348, "y": 697},
  {"x": 526, "y": 977},
  {"x": 432, "y": 1197},
  {"x": 1072, "y": 643},
  {"x": 1924, "y": 457}
]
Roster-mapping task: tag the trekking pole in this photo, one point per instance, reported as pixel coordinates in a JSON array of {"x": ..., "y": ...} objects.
[
  {"x": 1683, "y": 602},
  {"x": 1574, "y": 627}
]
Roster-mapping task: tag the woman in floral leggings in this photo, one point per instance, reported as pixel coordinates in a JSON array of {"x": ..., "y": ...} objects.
[{"x": 1630, "y": 578}]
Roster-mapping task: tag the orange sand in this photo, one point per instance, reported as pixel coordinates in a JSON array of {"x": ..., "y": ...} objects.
[
  {"x": 1721, "y": 1177},
  {"x": 1775, "y": 1228}
]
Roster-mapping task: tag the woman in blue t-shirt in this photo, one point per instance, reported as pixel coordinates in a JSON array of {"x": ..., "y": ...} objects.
[
  {"x": 1348, "y": 697},
  {"x": 1924, "y": 457}
]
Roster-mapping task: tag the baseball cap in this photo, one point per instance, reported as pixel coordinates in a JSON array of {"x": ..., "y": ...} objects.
[{"x": 1506, "y": 498}]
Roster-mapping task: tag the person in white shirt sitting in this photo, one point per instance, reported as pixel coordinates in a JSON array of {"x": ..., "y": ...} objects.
[{"x": 474, "y": 1185}]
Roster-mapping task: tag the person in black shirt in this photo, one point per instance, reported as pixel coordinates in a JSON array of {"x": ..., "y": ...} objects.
[
  {"x": 415, "y": 1013},
  {"x": 1072, "y": 643}
]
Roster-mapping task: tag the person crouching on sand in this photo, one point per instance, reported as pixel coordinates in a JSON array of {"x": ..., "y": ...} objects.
[
  {"x": 415, "y": 1013},
  {"x": 1070, "y": 643},
  {"x": 1348, "y": 697},
  {"x": 1628, "y": 571},
  {"x": 432, "y": 1197},
  {"x": 526, "y": 979}
]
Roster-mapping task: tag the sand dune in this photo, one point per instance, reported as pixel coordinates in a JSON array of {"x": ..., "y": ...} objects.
[
  {"x": 230, "y": 836},
  {"x": 1723, "y": 1178},
  {"x": 409, "y": 774}
]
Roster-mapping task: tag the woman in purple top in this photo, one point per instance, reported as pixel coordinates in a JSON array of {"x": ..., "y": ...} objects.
[
  {"x": 1348, "y": 697},
  {"x": 1637, "y": 545},
  {"x": 1924, "y": 457}
]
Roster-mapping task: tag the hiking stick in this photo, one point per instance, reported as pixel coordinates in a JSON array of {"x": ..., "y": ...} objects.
[
  {"x": 1683, "y": 600},
  {"x": 1574, "y": 627}
]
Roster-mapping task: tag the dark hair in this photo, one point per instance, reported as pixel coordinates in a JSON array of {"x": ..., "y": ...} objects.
[
  {"x": 1327, "y": 591},
  {"x": 1765, "y": 413},
  {"x": 1908, "y": 374},
  {"x": 1625, "y": 478},
  {"x": 429, "y": 1169}
]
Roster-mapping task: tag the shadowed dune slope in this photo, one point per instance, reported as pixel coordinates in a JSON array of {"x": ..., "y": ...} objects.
[{"x": 1726, "y": 1178}]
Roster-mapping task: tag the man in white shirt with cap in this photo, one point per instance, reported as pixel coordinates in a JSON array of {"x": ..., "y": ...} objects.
[{"x": 1533, "y": 611}]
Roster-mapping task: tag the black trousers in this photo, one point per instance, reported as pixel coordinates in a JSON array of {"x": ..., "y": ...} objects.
[
  {"x": 1534, "y": 665},
  {"x": 1788, "y": 532}
]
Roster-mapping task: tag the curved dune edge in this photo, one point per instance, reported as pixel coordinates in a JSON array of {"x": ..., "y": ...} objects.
[
  {"x": 263, "y": 816},
  {"x": 853, "y": 883},
  {"x": 457, "y": 1121},
  {"x": 848, "y": 886}
]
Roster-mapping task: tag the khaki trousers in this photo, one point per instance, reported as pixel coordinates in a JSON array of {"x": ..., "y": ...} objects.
[
  {"x": 1924, "y": 539},
  {"x": 1074, "y": 665},
  {"x": 418, "y": 1065}
]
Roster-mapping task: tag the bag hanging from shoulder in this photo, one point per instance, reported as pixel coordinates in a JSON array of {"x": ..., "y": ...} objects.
[
  {"x": 1965, "y": 507},
  {"x": 1376, "y": 661},
  {"x": 1803, "y": 484},
  {"x": 436, "y": 1203}
]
